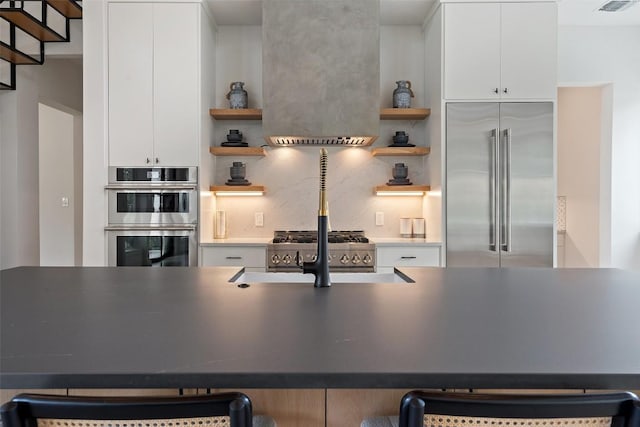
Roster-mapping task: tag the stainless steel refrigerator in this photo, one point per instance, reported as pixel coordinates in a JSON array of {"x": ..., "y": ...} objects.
[{"x": 499, "y": 184}]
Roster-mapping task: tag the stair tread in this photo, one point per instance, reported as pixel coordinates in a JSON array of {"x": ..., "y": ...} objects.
[
  {"x": 67, "y": 8},
  {"x": 30, "y": 25},
  {"x": 15, "y": 56}
]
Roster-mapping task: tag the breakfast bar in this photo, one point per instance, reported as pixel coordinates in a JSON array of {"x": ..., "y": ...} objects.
[{"x": 136, "y": 327}]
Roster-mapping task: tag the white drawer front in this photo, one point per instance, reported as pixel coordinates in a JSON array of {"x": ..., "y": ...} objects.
[
  {"x": 234, "y": 256},
  {"x": 397, "y": 256}
]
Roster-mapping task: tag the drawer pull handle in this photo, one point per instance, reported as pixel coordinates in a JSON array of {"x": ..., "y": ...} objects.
[
  {"x": 234, "y": 257},
  {"x": 407, "y": 257}
]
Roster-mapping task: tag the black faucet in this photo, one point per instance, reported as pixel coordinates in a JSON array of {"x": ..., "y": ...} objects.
[{"x": 320, "y": 267}]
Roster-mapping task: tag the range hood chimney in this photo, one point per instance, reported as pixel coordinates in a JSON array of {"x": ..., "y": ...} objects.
[{"x": 321, "y": 72}]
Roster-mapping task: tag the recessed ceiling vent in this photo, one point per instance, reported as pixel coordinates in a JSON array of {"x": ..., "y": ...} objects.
[
  {"x": 348, "y": 141},
  {"x": 617, "y": 5}
]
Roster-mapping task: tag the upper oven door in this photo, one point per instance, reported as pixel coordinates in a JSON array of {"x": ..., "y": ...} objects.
[{"x": 160, "y": 205}]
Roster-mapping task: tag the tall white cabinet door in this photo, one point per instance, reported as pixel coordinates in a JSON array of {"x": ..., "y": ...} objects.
[
  {"x": 176, "y": 77},
  {"x": 130, "y": 50},
  {"x": 529, "y": 40},
  {"x": 471, "y": 51}
]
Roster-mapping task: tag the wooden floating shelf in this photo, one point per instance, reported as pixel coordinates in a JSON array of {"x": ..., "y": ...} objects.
[
  {"x": 400, "y": 151},
  {"x": 237, "y": 188},
  {"x": 236, "y": 113},
  {"x": 237, "y": 151},
  {"x": 402, "y": 188},
  {"x": 404, "y": 113}
]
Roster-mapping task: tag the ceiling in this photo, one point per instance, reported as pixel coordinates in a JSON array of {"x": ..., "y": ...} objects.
[{"x": 413, "y": 12}]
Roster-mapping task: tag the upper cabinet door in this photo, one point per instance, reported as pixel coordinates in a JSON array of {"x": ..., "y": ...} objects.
[
  {"x": 472, "y": 51},
  {"x": 176, "y": 83},
  {"x": 130, "y": 50},
  {"x": 529, "y": 50}
]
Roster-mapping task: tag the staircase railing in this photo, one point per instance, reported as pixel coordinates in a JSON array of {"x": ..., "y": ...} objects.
[{"x": 21, "y": 21}]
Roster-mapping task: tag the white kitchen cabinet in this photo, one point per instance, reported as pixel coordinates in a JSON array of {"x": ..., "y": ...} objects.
[
  {"x": 253, "y": 258},
  {"x": 390, "y": 256},
  {"x": 498, "y": 51},
  {"x": 153, "y": 84}
]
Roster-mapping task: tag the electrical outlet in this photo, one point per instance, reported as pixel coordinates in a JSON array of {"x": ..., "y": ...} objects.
[
  {"x": 379, "y": 218},
  {"x": 259, "y": 219}
]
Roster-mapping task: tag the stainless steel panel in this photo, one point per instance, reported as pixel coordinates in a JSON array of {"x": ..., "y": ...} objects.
[
  {"x": 527, "y": 222},
  {"x": 470, "y": 190},
  {"x": 153, "y": 175}
]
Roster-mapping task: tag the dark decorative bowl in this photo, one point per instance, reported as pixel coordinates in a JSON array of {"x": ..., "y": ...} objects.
[
  {"x": 400, "y": 138},
  {"x": 234, "y": 136}
]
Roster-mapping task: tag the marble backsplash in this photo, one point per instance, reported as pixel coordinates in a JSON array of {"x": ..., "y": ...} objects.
[{"x": 291, "y": 178}]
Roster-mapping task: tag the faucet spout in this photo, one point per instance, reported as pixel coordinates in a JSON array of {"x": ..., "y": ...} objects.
[{"x": 320, "y": 267}]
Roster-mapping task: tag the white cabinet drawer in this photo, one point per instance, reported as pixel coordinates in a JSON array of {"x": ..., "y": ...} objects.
[
  {"x": 234, "y": 256},
  {"x": 397, "y": 256}
]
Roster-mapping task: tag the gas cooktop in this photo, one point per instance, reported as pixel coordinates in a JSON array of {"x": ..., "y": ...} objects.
[
  {"x": 349, "y": 251},
  {"x": 312, "y": 237}
]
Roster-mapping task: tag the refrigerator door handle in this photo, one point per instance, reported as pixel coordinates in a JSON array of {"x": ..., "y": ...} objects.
[
  {"x": 506, "y": 193},
  {"x": 493, "y": 199}
]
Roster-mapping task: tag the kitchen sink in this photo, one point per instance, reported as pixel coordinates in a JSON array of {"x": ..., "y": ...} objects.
[{"x": 259, "y": 277}]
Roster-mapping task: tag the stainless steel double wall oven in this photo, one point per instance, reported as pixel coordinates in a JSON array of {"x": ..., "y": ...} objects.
[{"x": 153, "y": 216}]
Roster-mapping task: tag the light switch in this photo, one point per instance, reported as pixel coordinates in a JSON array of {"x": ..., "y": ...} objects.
[
  {"x": 259, "y": 221},
  {"x": 379, "y": 218},
  {"x": 65, "y": 202}
]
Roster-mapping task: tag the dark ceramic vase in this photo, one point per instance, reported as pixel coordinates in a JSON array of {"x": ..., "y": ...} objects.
[
  {"x": 400, "y": 138},
  {"x": 400, "y": 171},
  {"x": 238, "y": 171}
]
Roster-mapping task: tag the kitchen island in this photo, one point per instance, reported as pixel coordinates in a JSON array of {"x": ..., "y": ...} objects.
[{"x": 137, "y": 327}]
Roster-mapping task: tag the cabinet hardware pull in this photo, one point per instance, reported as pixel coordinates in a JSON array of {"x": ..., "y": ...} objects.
[
  {"x": 148, "y": 160},
  {"x": 506, "y": 194},
  {"x": 496, "y": 90},
  {"x": 157, "y": 161},
  {"x": 407, "y": 257},
  {"x": 234, "y": 257},
  {"x": 505, "y": 90},
  {"x": 493, "y": 173}
]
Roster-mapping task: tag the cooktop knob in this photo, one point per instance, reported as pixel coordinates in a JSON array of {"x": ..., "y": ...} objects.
[
  {"x": 275, "y": 259},
  {"x": 314, "y": 257},
  {"x": 355, "y": 259},
  {"x": 366, "y": 259},
  {"x": 344, "y": 259},
  {"x": 286, "y": 259}
]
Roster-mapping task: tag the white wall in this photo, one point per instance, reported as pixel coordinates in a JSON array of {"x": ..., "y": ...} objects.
[
  {"x": 291, "y": 174},
  {"x": 59, "y": 83},
  {"x": 588, "y": 55},
  {"x": 95, "y": 132},
  {"x": 56, "y": 180}
]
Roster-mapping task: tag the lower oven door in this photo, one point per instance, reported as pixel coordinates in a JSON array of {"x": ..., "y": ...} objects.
[{"x": 165, "y": 246}]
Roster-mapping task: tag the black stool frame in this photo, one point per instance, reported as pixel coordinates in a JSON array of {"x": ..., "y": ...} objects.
[
  {"x": 624, "y": 407},
  {"x": 24, "y": 409}
]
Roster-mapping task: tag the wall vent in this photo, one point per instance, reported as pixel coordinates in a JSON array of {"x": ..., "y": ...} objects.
[
  {"x": 353, "y": 141},
  {"x": 617, "y": 5}
]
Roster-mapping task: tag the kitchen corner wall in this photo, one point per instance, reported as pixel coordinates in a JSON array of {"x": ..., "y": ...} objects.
[
  {"x": 590, "y": 55},
  {"x": 290, "y": 174}
]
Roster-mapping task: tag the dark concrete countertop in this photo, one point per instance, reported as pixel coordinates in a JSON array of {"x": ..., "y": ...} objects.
[{"x": 188, "y": 327}]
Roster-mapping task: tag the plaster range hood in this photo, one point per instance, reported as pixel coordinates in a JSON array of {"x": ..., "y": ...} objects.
[{"x": 321, "y": 72}]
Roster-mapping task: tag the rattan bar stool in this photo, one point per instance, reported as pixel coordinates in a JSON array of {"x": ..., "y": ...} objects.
[
  {"x": 214, "y": 410},
  {"x": 429, "y": 409}
]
